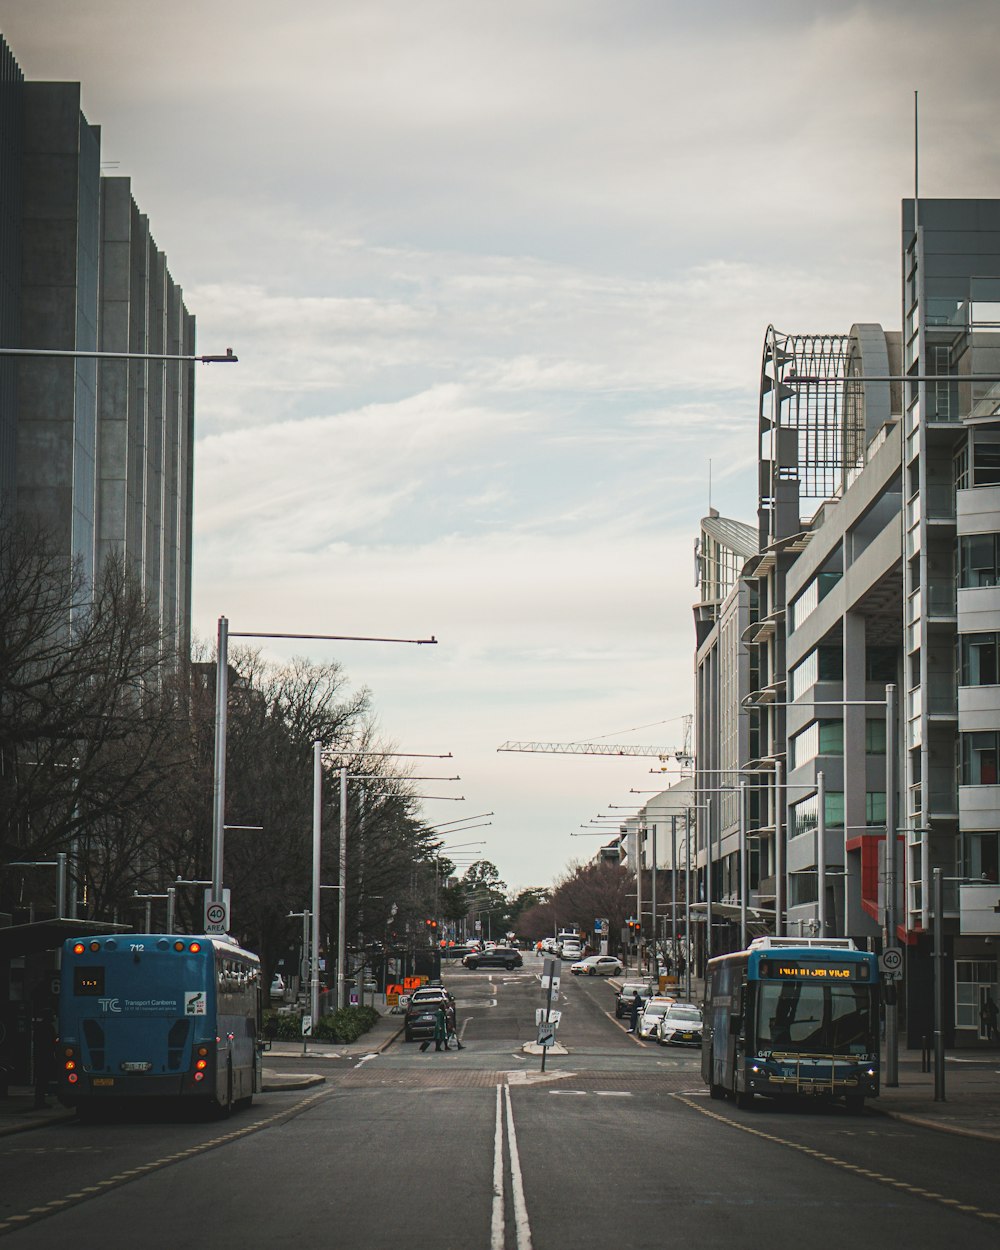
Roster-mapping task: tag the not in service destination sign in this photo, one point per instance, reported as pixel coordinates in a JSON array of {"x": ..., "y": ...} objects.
[{"x": 828, "y": 970}]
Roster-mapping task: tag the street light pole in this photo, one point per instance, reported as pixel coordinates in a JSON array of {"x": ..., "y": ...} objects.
[
  {"x": 221, "y": 716},
  {"x": 891, "y": 825}
]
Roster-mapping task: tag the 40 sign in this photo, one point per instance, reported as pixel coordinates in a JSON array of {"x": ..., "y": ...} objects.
[{"x": 216, "y": 913}]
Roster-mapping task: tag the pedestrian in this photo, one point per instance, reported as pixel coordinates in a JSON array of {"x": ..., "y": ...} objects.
[
  {"x": 988, "y": 1018},
  {"x": 440, "y": 1028},
  {"x": 634, "y": 1014},
  {"x": 452, "y": 1031}
]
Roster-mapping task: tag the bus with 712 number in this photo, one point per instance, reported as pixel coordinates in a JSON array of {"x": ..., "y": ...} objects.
[
  {"x": 792, "y": 1017},
  {"x": 151, "y": 1016}
]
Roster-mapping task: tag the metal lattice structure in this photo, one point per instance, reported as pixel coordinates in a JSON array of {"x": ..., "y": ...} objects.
[{"x": 800, "y": 424}]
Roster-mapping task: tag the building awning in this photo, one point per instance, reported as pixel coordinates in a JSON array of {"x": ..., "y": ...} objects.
[{"x": 49, "y": 935}]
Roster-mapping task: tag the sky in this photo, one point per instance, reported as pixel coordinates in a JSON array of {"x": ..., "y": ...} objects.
[{"x": 498, "y": 276}]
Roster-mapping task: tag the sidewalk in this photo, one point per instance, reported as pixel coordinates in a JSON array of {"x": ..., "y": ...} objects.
[{"x": 971, "y": 1105}]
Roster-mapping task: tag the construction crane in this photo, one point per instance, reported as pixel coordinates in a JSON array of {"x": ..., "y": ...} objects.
[{"x": 683, "y": 756}]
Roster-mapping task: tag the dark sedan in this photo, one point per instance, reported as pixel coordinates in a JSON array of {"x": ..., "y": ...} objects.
[
  {"x": 421, "y": 1012},
  {"x": 499, "y": 957}
]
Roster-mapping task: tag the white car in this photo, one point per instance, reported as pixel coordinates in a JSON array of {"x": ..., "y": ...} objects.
[
  {"x": 571, "y": 950},
  {"x": 278, "y": 986},
  {"x": 652, "y": 1013},
  {"x": 680, "y": 1025},
  {"x": 597, "y": 966}
]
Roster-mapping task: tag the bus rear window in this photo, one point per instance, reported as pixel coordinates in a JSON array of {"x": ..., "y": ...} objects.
[{"x": 88, "y": 981}]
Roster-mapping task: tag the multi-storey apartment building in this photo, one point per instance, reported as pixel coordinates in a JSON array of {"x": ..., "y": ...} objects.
[
  {"x": 98, "y": 452},
  {"x": 878, "y": 568}
]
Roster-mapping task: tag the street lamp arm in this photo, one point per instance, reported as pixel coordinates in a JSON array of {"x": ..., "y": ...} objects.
[
  {"x": 256, "y": 633},
  {"x": 228, "y": 358}
]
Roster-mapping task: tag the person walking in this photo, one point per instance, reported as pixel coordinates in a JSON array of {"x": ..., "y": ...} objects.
[
  {"x": 634, "y": 1014},
  {"x": 988, "y": 1018},
  {"x": 440, "y": 1028}
]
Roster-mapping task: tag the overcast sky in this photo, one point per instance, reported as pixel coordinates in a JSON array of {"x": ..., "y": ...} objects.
[{"x": 498, "y": 276}]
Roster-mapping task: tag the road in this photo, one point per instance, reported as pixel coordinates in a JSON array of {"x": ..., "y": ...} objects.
[{"x": 617, "y": 1144}]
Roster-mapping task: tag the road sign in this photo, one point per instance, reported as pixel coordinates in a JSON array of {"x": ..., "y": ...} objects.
[
  {"x": 891, "y": 960},
  {"x": 216, "y": 912},
  {"x": 602, "y": 927},
  {"x": 554, "y": 1016},
  {"x": 307, "y": 1026},
  {"x": 546, "y": 1034}
]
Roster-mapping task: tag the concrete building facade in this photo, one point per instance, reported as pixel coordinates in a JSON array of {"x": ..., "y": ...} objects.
[
  {"x": 97, "y": 452},
  {"x": 879, "y": 567}
]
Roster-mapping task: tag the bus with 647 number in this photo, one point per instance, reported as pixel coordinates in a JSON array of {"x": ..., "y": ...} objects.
[
  {"x": 152, "y": 1016},
  {"x": 792, "y": 1017}
]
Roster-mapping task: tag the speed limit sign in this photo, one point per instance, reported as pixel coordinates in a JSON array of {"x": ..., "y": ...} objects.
[
  {"x": 216, "y": 913},
  {"x": 891, "y": 960}
]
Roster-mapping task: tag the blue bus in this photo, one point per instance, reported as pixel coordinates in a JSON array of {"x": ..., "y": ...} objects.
[
  {"x": 150, "y": 1016},
  {"x": 792, "y": 1017}
]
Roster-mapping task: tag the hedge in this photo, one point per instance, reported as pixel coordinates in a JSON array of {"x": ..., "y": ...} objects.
[{"x": 345, "y": 1025}]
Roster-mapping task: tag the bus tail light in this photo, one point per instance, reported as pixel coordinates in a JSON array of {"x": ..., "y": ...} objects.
[
  {"x": 194, "y": 948},
  {"x": 73, "y": 1078},
  {"x": 78, "y": 948}
]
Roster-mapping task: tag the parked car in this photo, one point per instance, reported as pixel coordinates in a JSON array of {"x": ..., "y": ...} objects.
[
  {"x": 623, "y": 999},
  {"x": 456, "y": 952},
  {"x": 598, "y": 966},
  {"x": 649, "y": 1021},
  {"x": 570, "y": 950},
  {"x": 497, "y": 957},
  {"x": 421, "y": 1011},
  {"x": 680, "y": 1025},
  {"x": 278, "y": 986}
]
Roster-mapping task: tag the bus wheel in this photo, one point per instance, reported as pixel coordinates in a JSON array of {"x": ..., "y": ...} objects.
[
  {"x": 716, "y": 1091},
  {"x": 744, "y": 1098}
]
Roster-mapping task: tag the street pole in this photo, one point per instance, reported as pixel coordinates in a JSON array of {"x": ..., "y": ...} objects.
[
  {"x": 821, "y": 851},
  {"x": 61, "y": 878},
  {"x": 342, "y": 911},
  {"x": 708, "y": 881},
  {"x": 171, "y": 908},
  {"x": 687, "y": 904},
  {"x": 316, "y": 870},
  {"x": 652, "y": 903},
  {"x": 779, "y": 854},
  {"x": 891, "y": 825},
  {"x": 639, "y": 849},
  {"x": 744, "y": 884},
  {"x": 219, "y": 772},
  {"x": 938, "y": 987},
  {"x": 673, "y": 891}
]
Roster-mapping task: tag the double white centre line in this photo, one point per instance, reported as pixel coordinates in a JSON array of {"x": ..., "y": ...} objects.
[{"x": 522, "y": 1229}]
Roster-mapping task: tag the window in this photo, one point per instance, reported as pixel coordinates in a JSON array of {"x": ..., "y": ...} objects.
[
  {"x": 824, "y": 737},
  {"x": 825, "y": 663},
  {"x": 812, "y": 596},
  {"x": 979, "y": 659},
  {"x": 979, "y": 560},
  {"x": 982, "y": 856},
  {"x": 880, "y": 664},
  {"x": 986, "y": 463},
  {"x": 974, "y": 978},
  {"x": 805, "y": 815},
  {"x": 980, "y": 753},
  {"x": 875, "y": 807},
  {"x": 874, "y": 737}
]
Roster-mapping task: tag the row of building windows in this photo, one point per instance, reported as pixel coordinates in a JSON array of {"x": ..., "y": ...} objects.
[
  {"x": 805, "y": 815},
  {"x": 826, "y": 737},
  {"x": 826, "y": 663},
  {"x": 813, "y": 596}
]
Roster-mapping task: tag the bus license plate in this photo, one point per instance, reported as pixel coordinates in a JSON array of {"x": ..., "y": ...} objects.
[
  {"x": 136, "y": 1067},
  {"x": 103, "y": 1080}
]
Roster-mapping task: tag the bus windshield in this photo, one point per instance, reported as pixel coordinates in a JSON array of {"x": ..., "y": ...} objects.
[{"x": 804, "y": 1018}]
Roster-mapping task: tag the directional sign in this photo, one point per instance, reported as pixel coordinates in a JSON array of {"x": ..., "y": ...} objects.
[
  {"x": 891, "y": 960},
  {"x": 602, "y": 927},
  {"x": 554, "y": 1016},
  {"x": 307, "y": 1026},
  {"x": 546, "y": 1034},
  {"x": 216, "y": 912}
]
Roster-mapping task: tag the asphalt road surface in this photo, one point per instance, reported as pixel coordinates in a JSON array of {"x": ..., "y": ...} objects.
[{"x": 616, "y": 1145}]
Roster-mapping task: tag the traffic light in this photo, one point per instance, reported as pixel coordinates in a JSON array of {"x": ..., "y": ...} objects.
[{"x": 634, "y": 927}]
